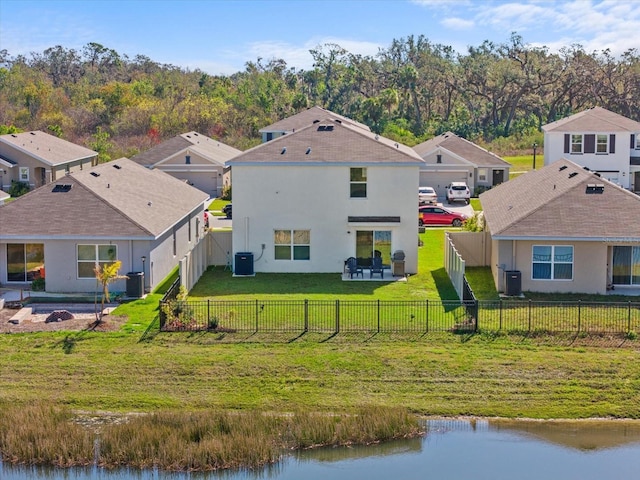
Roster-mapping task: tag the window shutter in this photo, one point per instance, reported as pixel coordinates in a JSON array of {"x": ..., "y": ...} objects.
[
  {"x": 590, "y": 143},
  {"x": 567, "y": 142},
  {"x": 612, "y": 143},
  {"x": 632, "y": 145}
]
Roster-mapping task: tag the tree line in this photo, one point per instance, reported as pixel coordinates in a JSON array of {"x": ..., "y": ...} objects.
[{"x": 410, "y": 91}]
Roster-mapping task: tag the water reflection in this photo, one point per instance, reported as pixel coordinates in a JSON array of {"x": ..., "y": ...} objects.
[{"x": 466, "y": 448}]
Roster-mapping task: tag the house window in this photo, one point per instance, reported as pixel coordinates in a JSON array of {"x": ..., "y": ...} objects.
[
  {"x": 576, "y": 143},
  {"x": 292, "y": 244},
  {"x": 482, "y": 174},
  {"x": 552, "y": 262},
  {"x": 602, "y": 144},
  {"x": 637, "y": 137},
  {"x": 24, "y": 174},
  {"x": 91, "y": 255},
  {"x": 375, "y": 243},
  {"x": 358, "y": 179},
  {"x": 626, "y": 265}
]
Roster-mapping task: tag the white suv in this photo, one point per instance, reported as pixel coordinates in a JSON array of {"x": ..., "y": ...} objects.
[
  {"x": 427, "y": 195},
  {"x": 458, "y": 191}
]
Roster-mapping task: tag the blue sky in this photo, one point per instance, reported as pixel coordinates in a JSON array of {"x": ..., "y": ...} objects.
[{"x": 220, "y": 36}]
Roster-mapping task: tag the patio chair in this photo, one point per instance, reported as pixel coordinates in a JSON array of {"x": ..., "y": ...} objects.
[
  {"x": 354, "y": 268},
  {"x": 376, "y": 267}
]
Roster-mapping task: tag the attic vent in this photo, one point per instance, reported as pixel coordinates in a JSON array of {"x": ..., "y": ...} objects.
[
  {"x": 284, "y": 150},
  {"x": 61, "y": 188},
  {"x": 32, "y": 133},
  {"x": 95, "y": 174},
  {"x": 563, "y": 167},
  {"x": 595, "y": 188},
  {"x": 573, "y": 174},
  {"x": 316, "y": 121},
  {"x": 308, "y": 151},
  {"x": 117, "y": 167}
]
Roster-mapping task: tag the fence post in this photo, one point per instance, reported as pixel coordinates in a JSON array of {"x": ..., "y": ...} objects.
[
  {"x": 579, "y": 312},
  {"x": 629, "y": 316},
  {"x": 500, "y": 326},
  {"x": 337, "y": 329},
  {"x": 208, "y": 312},
  {"x": 161, "y": 314},
  {"x": 257, "y": 310},
  {"x": 477, "y": 314},
  {"x": 306, "y": 315},
  {"x": 427, "y": 317},
  {"x": 529, "y": 315},
  {"x": 378, "y": 315}
]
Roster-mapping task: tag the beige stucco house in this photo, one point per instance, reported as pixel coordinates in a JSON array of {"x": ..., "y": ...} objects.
[
  {"x": 116, "y": 211},
  {"x": 601, "y": 140},
  {"x": 565, "y": 229},
  {"x": 193, "y": 158},
  {"x": 450, "y": 158},
  {"x": 308, "y": 200},
  {"x": 37, "y": 158}
]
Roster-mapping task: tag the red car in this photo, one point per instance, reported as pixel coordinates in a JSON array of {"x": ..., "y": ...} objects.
[{"x": 432, "y": 215}]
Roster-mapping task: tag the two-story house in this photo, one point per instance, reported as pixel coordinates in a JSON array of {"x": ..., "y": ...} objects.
[
  {"x": 194, "y": 158},
  {"x": 306, "y": 201},
  {"x": 600, "y": 140},
  {"x": 37, "y": 158}
]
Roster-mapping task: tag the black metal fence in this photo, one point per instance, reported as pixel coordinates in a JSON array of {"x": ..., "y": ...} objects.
[{"x": 381, "y": 316}]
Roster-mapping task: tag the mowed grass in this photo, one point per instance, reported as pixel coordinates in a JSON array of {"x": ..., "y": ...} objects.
[
  {"x": 140, "y": 370},
  {"x": 523, "y": 163}
]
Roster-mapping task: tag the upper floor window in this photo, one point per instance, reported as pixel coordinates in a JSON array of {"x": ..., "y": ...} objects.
[
  {"x": 358, "y": 182},
  {"x": 576, "y": 143},
  {"x": 637, "y": 141},
  {"x": 602, "y": 144}
]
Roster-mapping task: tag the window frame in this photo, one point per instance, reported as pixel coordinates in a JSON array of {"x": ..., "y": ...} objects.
[
  {"x": 483, "y": 174},
  {"x": 552, "y": 262},
  {"x": 356, "y": 185},
  {"x": 573, "y": 143},
  {"x": 599, "y": 144},
  {"x": 288, "y": 240},
  {"x": 96, "y": 259}
]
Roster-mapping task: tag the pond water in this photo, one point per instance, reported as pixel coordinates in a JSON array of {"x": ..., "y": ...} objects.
[{"x": 451, "y": 449}]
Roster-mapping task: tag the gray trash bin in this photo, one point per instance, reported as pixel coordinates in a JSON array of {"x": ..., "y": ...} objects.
[{"x": 135, "y": 284}]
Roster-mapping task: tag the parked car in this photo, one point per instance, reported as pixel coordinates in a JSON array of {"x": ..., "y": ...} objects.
[
  {"x": 427, "y": 195},
  {"x": 432, "y": 215},
  {"x": 227, "y": 210},
  {"x": 458, "y": 191}
]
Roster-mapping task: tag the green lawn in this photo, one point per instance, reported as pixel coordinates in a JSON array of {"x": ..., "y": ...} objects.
[{"x": 523, "y": 163}]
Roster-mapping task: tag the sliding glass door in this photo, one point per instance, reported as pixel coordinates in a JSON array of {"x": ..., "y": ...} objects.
[
  {"x": 626, "y": 265},
  {"x": 25, "y": 262},
  {"x": 370, "y": 243}
]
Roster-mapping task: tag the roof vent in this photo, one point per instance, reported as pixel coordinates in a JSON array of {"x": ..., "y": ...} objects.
[
  {"x": 595, "y": 188},
  {"x": 316, "y": 121},
  {"x": 339, "y": 121},
  {"x": 33, "y": 133},
  {"x": 95, "y": 174},
  {"x": 308, "y": 151},
  {"x": 284, "y": 150},
  {"x": 563, "y": 167},
  {"x": 573, "y": 174},
  {"x": 397, "y": 146},
  {"x": 61, "y": 188},
  {"x": 117, "y": 167}
]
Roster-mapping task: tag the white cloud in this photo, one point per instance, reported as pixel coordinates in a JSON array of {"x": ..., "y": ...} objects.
[{"x": 455, "y": 23}]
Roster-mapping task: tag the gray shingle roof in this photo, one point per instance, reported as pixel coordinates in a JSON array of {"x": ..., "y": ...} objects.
[
  {"x": 213, "y": 150},
  {"x": 596, "y": 119},
  {"x": 555, "y": 202},
  {"x": 463, "y": 148},
  {"x": 329, "y": 141},
  {"x": 307, "y": 117},
  {"x": 124, "y": 202},
  {"x": 47, "y": 148}
]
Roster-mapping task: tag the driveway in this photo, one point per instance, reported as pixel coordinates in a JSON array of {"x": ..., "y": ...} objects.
[{"x": 458, "y": 207}]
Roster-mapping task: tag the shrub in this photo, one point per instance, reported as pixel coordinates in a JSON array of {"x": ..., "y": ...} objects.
[
  {"x": 37, "y": 285},
  {"x": 18, "y": 188},
  {"x": 226, "y": 192}
]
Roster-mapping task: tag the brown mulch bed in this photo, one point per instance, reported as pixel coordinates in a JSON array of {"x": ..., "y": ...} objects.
[{"x": 36, "y": 323}]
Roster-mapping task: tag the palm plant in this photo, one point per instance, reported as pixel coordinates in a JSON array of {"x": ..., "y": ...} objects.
[{"x": 105, "y": 275}]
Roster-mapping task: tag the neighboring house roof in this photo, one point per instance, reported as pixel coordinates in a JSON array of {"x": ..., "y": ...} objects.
[
  {"x": 213, "y": 150},
  {"x": 562, "y": 201},
  {"x": 596, "y": 119},
  {"x": 124, "y": 200},
  {"x": 47, "y": 148},
  {"x": 329, "y": 141},
  {"x": 307, "y": 117},
  {"x": 462, "y": 148}
]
